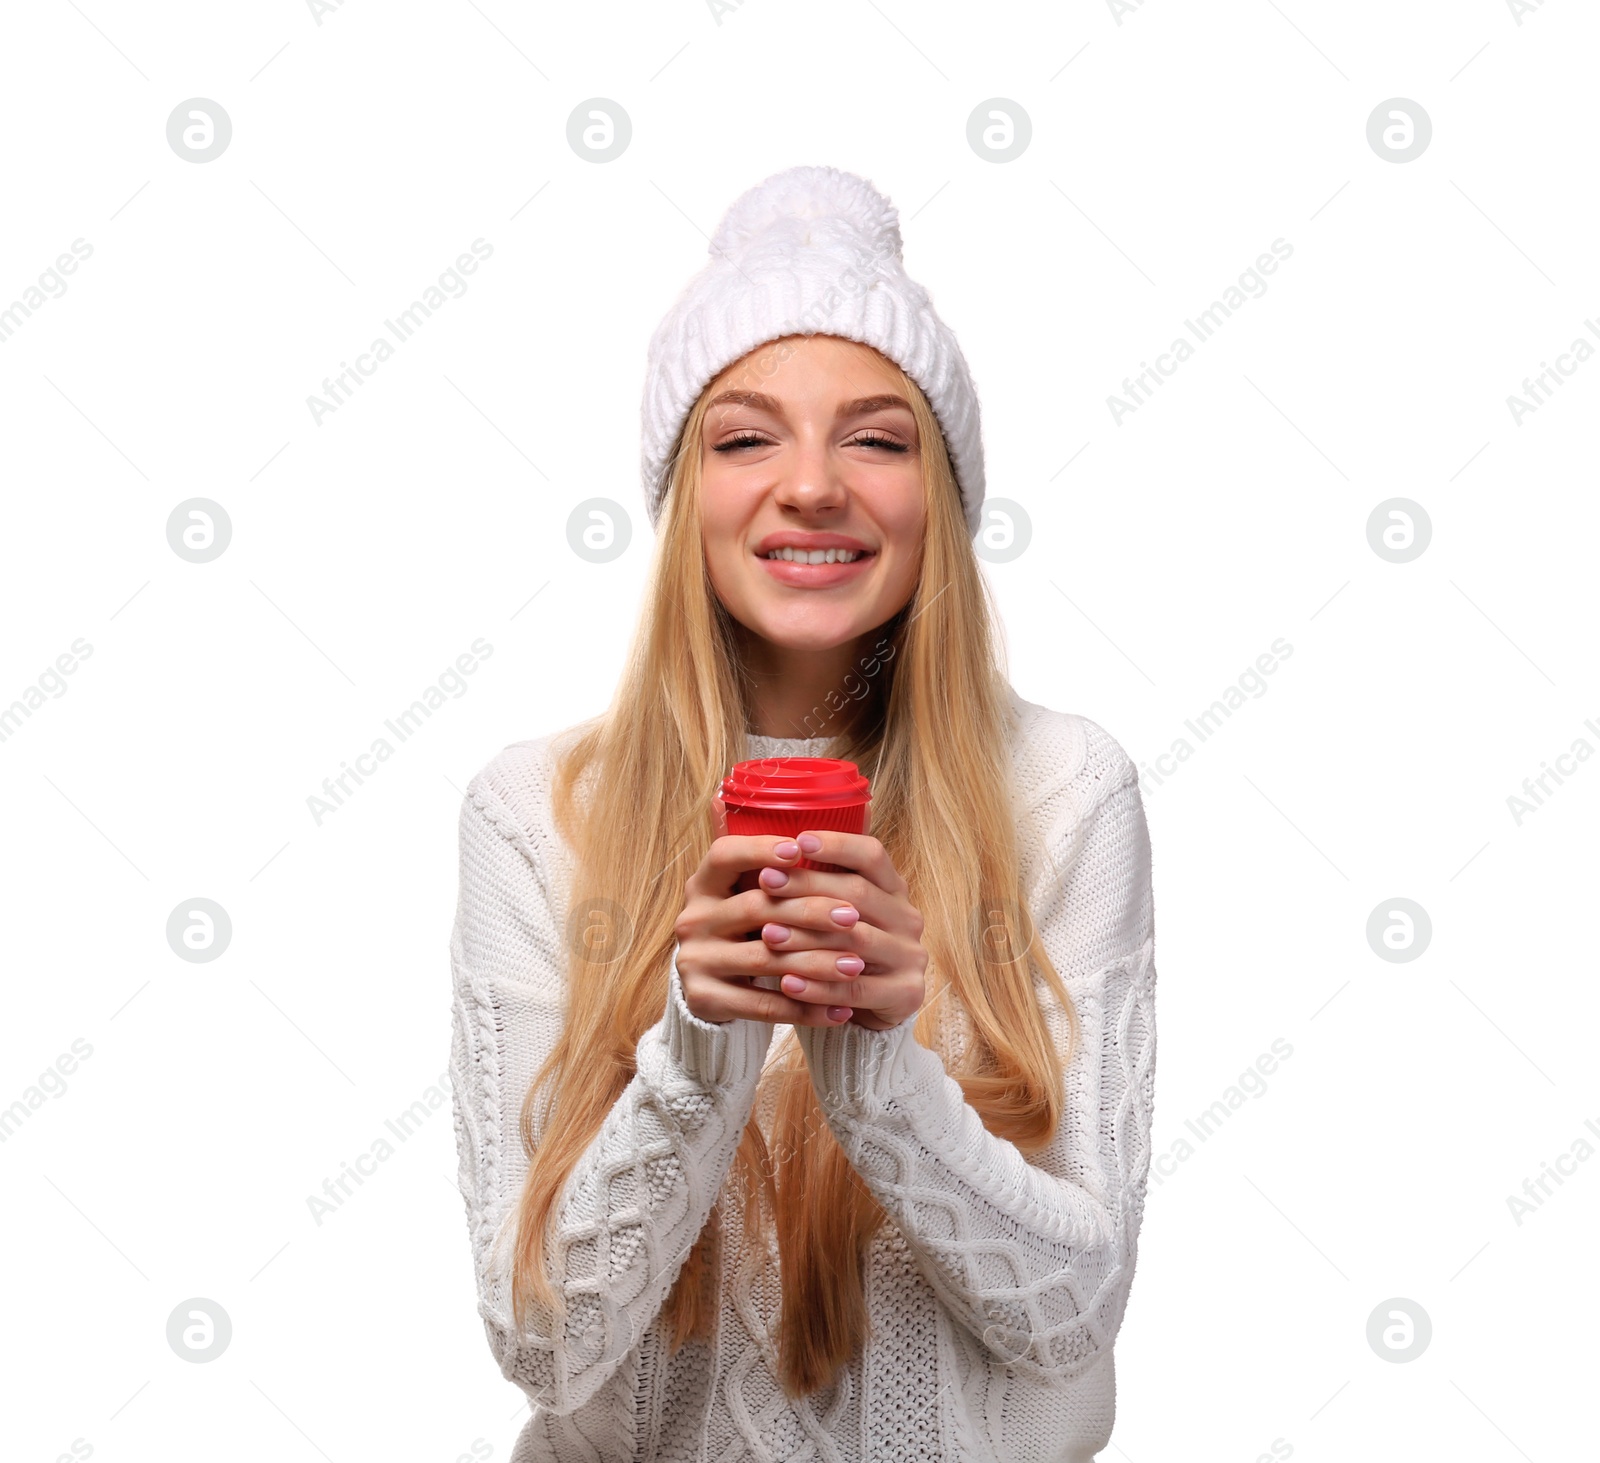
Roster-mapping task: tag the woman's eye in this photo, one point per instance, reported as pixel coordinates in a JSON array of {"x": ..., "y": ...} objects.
[
  {"x": 748, "y": 439},
  {"x": 872, "y": 440}
]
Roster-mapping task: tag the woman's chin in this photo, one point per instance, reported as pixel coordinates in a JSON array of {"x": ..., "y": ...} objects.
[{"x": 791, "y": 629}]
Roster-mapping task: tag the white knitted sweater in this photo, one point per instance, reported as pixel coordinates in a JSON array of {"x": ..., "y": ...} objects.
[{"x": 997, "y": 1284}]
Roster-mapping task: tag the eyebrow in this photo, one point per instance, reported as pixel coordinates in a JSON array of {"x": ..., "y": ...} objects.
[{"x": 760, "y": 401}]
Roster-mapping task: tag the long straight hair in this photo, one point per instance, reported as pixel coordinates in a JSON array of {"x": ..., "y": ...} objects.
[{"x": 931, "y": 732}]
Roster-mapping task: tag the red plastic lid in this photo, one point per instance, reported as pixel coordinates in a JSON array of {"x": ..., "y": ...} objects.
[{"x": 795, "y": 782}]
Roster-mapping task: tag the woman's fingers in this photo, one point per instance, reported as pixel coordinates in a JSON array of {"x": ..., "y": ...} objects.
[
  {"x": 855, "y": 983},
  {"x": 866, "y": 855},
  {"x": 861, "y": 946},
  {"x": 852, "y": 993},
  {"x": 732, "y": 855},
  {"x": 746, "y": 914},
  {"x": 886, "y": 976},
  {"x": 829, "y": 974},
  {"x": 870, "y": 995},
  {"x": 874, "y": 904},
  {"x": 747, "y": 959},
  {"x": 721, "y": 998},
  {"x": 724, "y": 989}
]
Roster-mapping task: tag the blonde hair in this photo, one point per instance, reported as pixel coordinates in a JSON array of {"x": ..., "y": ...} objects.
[{"x": 932, "y": 735}]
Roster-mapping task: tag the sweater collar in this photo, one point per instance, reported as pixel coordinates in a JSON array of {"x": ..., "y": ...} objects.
[{"x": 759, "y": 746}]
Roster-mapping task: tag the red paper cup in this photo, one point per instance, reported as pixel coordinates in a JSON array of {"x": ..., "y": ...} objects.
[{"x": 786, "y": 795}]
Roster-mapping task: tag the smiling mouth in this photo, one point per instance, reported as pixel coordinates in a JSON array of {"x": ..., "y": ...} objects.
[
  {"x": 818, "y": 569},
  {"x": 818, "y": 556}
]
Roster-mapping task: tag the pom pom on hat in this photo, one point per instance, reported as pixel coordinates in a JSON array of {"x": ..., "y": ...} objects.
[
  {"x": 805, "y": 194},
  {"x": 811, "y": 250}
]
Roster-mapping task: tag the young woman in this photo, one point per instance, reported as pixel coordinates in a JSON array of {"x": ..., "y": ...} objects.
[{"x": 849, "y": 1166}]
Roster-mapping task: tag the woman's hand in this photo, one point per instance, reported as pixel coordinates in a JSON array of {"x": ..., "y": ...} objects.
[
  {"x": 869, "y": 968},
  {"x": 845, "y": 939},
  {"x": 719, "y": 958}
]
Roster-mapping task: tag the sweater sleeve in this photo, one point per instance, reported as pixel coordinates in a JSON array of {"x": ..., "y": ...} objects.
[
  {"x": 643, "y": 1189},
  {"x": 1034, "y": 1258}
]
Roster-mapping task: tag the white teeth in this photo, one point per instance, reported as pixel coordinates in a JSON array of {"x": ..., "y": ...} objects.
[{"x": 816, "y": 556}]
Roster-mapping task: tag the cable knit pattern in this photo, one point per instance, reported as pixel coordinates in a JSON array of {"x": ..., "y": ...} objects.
[{"x": 997, "y": 1285}]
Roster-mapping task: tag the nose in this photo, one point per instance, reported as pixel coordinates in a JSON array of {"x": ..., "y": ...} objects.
[{"x": 811, "y": 482}]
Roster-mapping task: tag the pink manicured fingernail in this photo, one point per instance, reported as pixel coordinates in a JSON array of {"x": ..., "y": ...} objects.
[
  {"x": 809, "y": 842},
  {"x": 789, "y": 849},
  {"x": 851, "y": 964},
  {"x": 776, "y": 933},
  {"x": 840, "y": 1013},
  {"x": 772, "y": 878},
  {"x": 845, "y": 915},
  {"x": 793, "y": 984}
]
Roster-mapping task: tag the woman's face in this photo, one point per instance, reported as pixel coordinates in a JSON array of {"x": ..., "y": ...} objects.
[{"x": 810, "y": 444}]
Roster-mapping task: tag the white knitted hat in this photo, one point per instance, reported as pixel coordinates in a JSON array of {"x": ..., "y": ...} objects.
[{"x": 812, "y": 250}]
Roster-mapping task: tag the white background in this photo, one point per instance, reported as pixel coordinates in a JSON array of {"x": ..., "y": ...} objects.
[{"x": 1169, "y": 148}]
